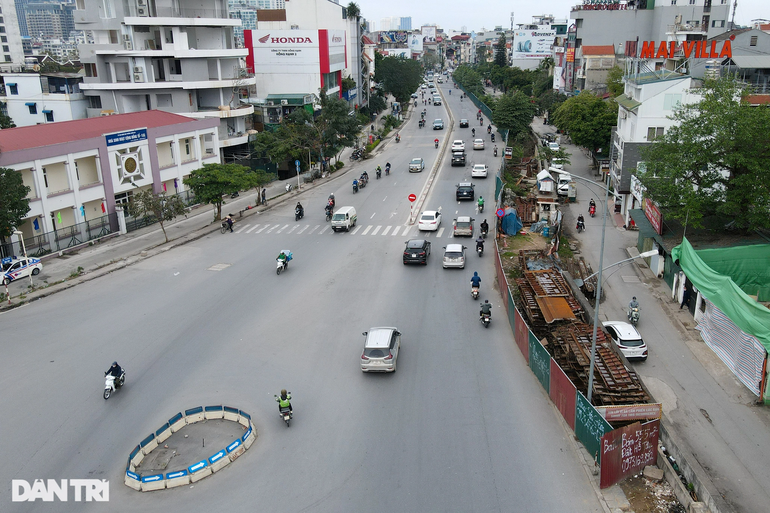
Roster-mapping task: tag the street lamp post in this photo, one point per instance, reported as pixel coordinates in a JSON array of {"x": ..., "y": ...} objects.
[{"x": 24, "y": 250}]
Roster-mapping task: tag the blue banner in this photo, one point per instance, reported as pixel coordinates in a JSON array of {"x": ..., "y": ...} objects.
[{"x": 128, "y": 136}]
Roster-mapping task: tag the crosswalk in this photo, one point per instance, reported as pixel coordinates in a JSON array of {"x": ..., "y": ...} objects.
[{"x": 318, "y": 229}]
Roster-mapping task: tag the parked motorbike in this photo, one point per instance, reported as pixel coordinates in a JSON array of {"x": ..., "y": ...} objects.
[
  {"x": 111, "y": 384},
  {"x": 285, "y": 413},
  {"x": 234, "y": 195},
  {"x": 475, "y": 292},
  {"x": 298, "y": 213},
  {"x": 486, "y": 319},
  {"x": 289, "y": 187},
  {"x": 633, "y": 316}
]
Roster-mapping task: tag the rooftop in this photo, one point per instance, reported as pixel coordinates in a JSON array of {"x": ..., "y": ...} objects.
[{"x": 37, "y": 136}]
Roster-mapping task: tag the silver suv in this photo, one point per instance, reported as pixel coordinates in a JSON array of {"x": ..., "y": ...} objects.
[
  {"x": 380, "y": 350},
  {"x": 463, "y": 226}
]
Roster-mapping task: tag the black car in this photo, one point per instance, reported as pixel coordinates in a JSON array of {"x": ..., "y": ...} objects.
[
  {"x": 463, "y": 123},
  {"x": 458, "y": 158},
  {"x": 465, "y": 191},
  {"x": 416, "y": 251}
]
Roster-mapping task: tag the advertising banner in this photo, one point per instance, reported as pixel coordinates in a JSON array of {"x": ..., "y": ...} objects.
[
  {"x": 295, "y": 51},
  {"x": 393, "y": 36},
  {"x": 628, "y": 450},
  {"x": 415, "y": 43},
  {"x": 533, "y": 44},
  {"x": 429, "y": 34}
]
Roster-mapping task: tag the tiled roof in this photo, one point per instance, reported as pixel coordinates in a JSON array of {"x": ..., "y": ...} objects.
[
  {"x": 367, "y": 41},
  {"x": 36, "y": 136},
  {"x": 726, "y": 35},
  {"x": 758, "y": 99},
  {"x": 598, "y": 50}
]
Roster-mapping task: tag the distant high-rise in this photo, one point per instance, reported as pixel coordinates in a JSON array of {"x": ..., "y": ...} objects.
[
  {"x": 396, "y": 23},
  {"x": 406, "y": 23},
  {"x": 21, "y": 14},
  {"x": 49, "y": 20}
]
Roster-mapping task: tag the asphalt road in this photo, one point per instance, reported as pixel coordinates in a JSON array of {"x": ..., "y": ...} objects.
[
  {"x": 707, "y": 406},
  {"x": 463, "y": 425}
]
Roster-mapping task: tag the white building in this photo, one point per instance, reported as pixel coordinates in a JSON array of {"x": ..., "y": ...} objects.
[
  {"x": 33, "y": 99},
  {"x": 172, "y": 55},
  {"x": 12, "y": 56}
]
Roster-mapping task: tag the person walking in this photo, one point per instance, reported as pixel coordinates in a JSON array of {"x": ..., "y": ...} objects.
[
  {"x": 685, "y": 297},
  {"x": 264, "y": 196}
]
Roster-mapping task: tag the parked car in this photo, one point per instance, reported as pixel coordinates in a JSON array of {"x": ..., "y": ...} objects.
[
  {"x": 463, "y": 123},
  {"x": 463, "y": 226},
  {"x": 416, "y": 165},
  {"x": 627, "y": 338},
  {"x": 553, "y": 146},
  {"x": 479, "y": 171},
  {"x": 465, "y": 191},
  {"x": 381, "y": 349},
  {"x": 478, "y": 144},
  {"x": 430, "y": 220},
  {"x": 454, "y": 256},
  {"x": 416, "y": 251},
  {"x": 458, "y": 145},
  {"x": 438, "y": 124},
  {"x": 14, "y": 268}
]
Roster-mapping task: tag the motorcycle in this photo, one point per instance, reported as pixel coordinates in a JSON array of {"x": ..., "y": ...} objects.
[
  {"x": 475, "y": 292},
  {"x": 592, "y": 210},
  {"x": 387, "y": 170},
  {"x": 378, "y": 174},
  {"x": 493, "y": 137},
  {"x": 398, "y": 138},
  {"x": 486, "y": 319},
  {"x": 633, "y": 316},
  {"x": 489, "y": 129},
  {"x": 479, "y": 250},
  {"x": 580, "y": 227},
  {"x": 484, "y": 233},
  {"x": 111, "y": 384},
  {"x": 328, "y": 215},
  {"x": 298, "y": 214},
  {"x": 481, "y": 208},
  {"x": 481, "y": 121},
  {"x": 285, "y": 413},
  {"x": 495, "y": 151},
  {"x": 289, "y": 187},
  {"x": 362, "y": 182},
  {"x": 281, "y": 265},
  {"x": 435, "y": 143}
]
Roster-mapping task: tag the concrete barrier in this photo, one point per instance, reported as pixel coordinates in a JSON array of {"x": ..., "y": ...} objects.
[
  {"x": 219, "y": 461},
  {"x": 154, "y": 482},
  {"x": 178, "y": 478},
  {"x": 213, "y": 412}
]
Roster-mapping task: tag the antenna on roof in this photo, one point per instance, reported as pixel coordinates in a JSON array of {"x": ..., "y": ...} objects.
[{"x": 732, "y": 20}]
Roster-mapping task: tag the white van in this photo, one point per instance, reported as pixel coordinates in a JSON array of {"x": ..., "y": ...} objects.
[
  {"x": 562, "y": 187},
  {"x": 344, "y": 218}
]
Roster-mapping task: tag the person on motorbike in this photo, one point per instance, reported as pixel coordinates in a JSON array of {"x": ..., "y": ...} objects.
[
  {"x": 481, "y": 203},
  {"x": 486, "y": 308},
  {"x": 480, "y": 244},
  {"x": 282, "y": 256},
  {"x": 484, "y": 227},
  {"x": 284, "y": 401},
  {"x": 387, "y": 168},
  {"x": 473, "y": 132},
  {"x": 116, "y": 372},
  {"x": 489, "y": 129},
  {"x": 495, "y": 150},
  {"x": 398, "y": 137},
  {"x": 591, "y": 203},
  {"x": 435, "y": 142},
  {"x": 229, "y": 220},
  {"x": 633, "y": 304},
  {"x": 581, "y": 222},
  {"x": 328, "y": 209},
  {"x": 365, "y": 176},
  {"x": 379, "y": 170},
  {"x": 355, "y": 184},
  {"x": 450, "y": 92},
  {"x": 300, "y": 209},
  {"x": 493, "y": 137},
  {"x": 476, "y": 280},
  {"x": 332, "y": 202}
]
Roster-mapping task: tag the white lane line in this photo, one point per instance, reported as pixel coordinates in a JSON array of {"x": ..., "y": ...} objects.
[
  {"x": 383, "y": 199},
  {"x": 396, "y": 230},
  {"x": 372, "y": 216},
  {"x": 376, "y": 230},
  {"x": 440, "y": 231},
  {"x": 252, "y": 229},
  {"x": 293, "y": 228},
  {"x": 283, "y": 228},
  {"x": 322, "y": 231},
  {"x": 303, "y": 229},
  {"x": 273, "y": 228},
  {"x": 356, "y": 229},
  {"x": 242, "y": 228},
  {"x": 367, "y": 230},
  {"x": 386, "y": 230},
  {"x": 263, "y": 228}
]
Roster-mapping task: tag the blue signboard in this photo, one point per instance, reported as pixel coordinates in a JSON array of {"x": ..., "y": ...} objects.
[
  {"x": 201, "y": 464},
  {"x": 132, "y": 475},
  {"x": 129, "y": 136},
  {"x": 150, "y": 479},
  {"x": 246, "y": 435},
  {"x": 233, "y": 445},
  {"x": 178, "y": 473},
  {"x": 217, "y": 456}
]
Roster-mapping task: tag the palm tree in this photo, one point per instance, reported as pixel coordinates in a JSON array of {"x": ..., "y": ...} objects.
[{"x": 353, "y": 10}]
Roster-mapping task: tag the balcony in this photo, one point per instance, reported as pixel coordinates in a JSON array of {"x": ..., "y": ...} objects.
[
  {"x": 216, "y": 112},
  {"x": 235, "y": 140}
]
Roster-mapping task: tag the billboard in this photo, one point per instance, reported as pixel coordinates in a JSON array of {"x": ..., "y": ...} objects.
[
  {"x": 415, "y": 43},
  {"x": 295, "y": 51},
  {"x": 429, "y": 34},
  {"x": 533, "y": 44},
  {"x": 393, "y": 36}
]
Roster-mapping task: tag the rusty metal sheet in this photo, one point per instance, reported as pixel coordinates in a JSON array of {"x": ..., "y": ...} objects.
[{"x": 555, "y": 309}]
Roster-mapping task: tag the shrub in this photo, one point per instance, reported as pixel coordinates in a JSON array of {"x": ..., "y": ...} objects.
[{"x": 339, "y": 164}]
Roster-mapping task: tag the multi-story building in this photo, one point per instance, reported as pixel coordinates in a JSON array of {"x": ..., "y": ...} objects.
[
  {"x": 21, "y": 14},
  {"x": 405, "y": 23},
  {"x": 596, "y": 63},
  {"x": 12, "y": 56},
  {"x": 50, "y": 20},
  {"x": 34, "y": 99},
  {"x": 173, "y": 55},
  {"x": 246, "y": 11},
  {"x": 749, "y": 60}
]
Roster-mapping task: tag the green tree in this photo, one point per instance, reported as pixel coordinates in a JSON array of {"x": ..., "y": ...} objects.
[
  {"x": 549, "y": 101},
  {"x": 713, "y": 161},
  {"x": 429, "y": 60},
  {"x": 353, "y": 10},
  {"x": 588, "y": 119},
  {"x": 213, "y": 181},
  {"x": 14, "y": 204},
  {"x": 348, "y": 84},
  {"x": 164, "y": 208},
  {"x": 6, "y": 122},
  {"x": 615, "y": 81},
  {"x": 514, "y": 112},
  {"x": 501, "y": 51},
  {"x": 398, "y": 76}
]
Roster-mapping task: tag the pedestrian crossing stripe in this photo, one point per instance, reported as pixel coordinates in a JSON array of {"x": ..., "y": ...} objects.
[{"x": 369, "y": 230}]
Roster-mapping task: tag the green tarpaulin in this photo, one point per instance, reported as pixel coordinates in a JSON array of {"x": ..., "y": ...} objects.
[{"x": 745, "y": 265}]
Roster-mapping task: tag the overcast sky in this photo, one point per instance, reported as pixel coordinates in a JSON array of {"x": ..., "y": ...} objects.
[{"x": 475, "y": 14}]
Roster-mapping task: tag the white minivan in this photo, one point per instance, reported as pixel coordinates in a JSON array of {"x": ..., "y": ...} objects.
[
  {"x": 381, "y": 350},
  {"x": 344, "y": 218}
]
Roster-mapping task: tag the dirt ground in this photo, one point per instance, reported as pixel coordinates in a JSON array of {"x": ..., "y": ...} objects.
[{"x": 647, "y": 496}]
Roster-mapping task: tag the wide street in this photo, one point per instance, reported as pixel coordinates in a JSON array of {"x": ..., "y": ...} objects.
[{"x": 463, "y": 425}]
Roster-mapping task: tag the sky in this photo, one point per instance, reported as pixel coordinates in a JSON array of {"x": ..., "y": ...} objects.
[{"x": 475, "y": 14}]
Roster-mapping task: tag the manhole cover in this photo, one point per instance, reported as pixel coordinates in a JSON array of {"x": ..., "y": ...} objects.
[{"x": 218, "y": 267}]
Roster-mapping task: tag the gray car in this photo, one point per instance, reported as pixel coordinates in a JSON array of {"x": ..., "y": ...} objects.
[
  {"x": 381, "y": 349},
  {"x": 454, "y": 256},
  {"x": 416, "y": 165},
  {"x": 463, "y": 226}
]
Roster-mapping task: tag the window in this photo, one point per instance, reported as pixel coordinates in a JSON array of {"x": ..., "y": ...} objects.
[
  {"x": 48, "y": 115},
  {"x": 4, "y": 39},
  {"x": 90, "y": 70},
  {"x": 673, "y": 2},
  {"x": 6, "y": 49},
  {"x": 175, "y": 67},
  {"x": 692, "y": 2},
  {"x": 753, "y": 41},
  {"x": 718, "y": 23},
  {"x": 94, "y": 102},
  {"x": 32, "y": 108},
  {"x": 13, "y": 89},
  {"x": 579, "y": 23},
  {"x": 45, "y": 178},
  {"x": 672, "y": 101},
  {"x": 7, "y": 58},
  {"x": 654, "y": 132}
]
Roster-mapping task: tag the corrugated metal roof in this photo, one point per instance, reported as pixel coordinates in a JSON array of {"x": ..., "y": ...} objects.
[
  {"x": 626, "y": 102},
  {"x": 752, "y": 61},
  {"x": 555, "y": 309},
  {"x": 38, "y": 136}
]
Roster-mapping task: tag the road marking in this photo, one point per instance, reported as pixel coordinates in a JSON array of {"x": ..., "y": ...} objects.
[
  {"x": 371, "y": 216},
  {"x": 322, "y": 231},
  {"x": 243, "y": 228},
  {"x": 440, "y": 231},
  {"x": 263, "y": 228},
  {"x": 304, "y": 228},
  {"x": 376, "y": 230},
  {"x": 273, "y": 228},
  {"x": 383, "y": 199},
  {"x": 283, "y": 228},
  {"x": 367, "y": 230},
  {"x": 356, "y": 229},
  {"x": 252, "y": 229},
  {"x": 293, "y": 228},
  {"x": 386, "y": 230},
  {"x": 395, "y": 230}
]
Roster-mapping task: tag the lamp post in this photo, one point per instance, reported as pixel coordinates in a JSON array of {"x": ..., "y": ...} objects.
[{"x": 24, "y": 250}]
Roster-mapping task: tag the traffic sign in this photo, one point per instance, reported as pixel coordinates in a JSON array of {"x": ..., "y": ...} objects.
[
  {"x": 500, "y": 213},
  {"x": 296, "y": 163},
  {"x": 412, "y": 198},
  {"x": 508, "y": 152}
]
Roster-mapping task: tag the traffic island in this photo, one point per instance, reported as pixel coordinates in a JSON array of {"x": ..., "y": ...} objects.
[{"x": 189, "y": 447}]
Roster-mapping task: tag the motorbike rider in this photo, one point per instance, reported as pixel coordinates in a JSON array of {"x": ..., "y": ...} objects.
[
  {"x": 493, "y": 137},
  {"x": 473, "y": 132},
  {"x": 355, "y": 184},
  {"x": 480, "y": 244},
  {"x": 328, "y": 209},
  {"x": 481, "y": 202},
  {"x": 489, "y": 129},
  {"x": 398, "y": 137},
  {"x": 476, "y": 280},
  {"x": 581, "y": 222},
  {"x": 299, "y": 209},
  {"x": 435, "y": 141},
  {"x": 365, "y": 176},
  {"x": 116, "y": 372},
  {"x": 484, "y": 227},
  {"x": 387, "y": 168},
  {"x": 633, "y": 304},
  {"x": 495, "y": 150},
  {"x": 284, "y": 401},
  {"x": 486, "y": 308},
  {"x": 591, "y": 203},
  {"x": 379, "y": 171},
  {"x": 331, "y": 200}
]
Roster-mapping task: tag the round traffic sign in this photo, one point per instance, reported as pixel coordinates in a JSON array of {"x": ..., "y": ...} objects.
[
  {"x": 412, "y": 198},
  {"x": 500, "y": 213}
]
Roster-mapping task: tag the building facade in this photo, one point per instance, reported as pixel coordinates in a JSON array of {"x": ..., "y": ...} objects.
[
  {"x": 33, "y": 99},
  {"x": 12, "y": 56},
  {"x": 173, "y": 55},
  {"x": 50, "y": 20}
]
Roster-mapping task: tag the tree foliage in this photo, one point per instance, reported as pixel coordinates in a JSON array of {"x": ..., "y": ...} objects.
[
  {"x": 353, "y": 10},
  {"x": 615, "y": 81},
  {"x": 501, "y": 51},
  {"x": 14, "y": 204},
  {"x": 469, "y": 78},
  {"x": 164, "y": 208},
  {"x": 715, "y": 161},
  {"x": 588, "y": 119},
  {"x": 6, "y": 121},
  {"x": 514, "y": 112},
  {"x": 213, "y": 181},
  {"x": 398, "y": 76}
]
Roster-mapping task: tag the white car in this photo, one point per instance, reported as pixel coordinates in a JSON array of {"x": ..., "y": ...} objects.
[
  {"x": 479, "y": 171},
  {"x": 430, "y": 220},
  {"x": 423, "y": 86},
  {"x": 458, "y": 145},
  {"x": 627, "y": 338},
  {"x": 478, "y": 144},
  {"x": 16, "y": 268},
  {"x": 454, "y": 256},
  {"x": 554, "y": 146}
]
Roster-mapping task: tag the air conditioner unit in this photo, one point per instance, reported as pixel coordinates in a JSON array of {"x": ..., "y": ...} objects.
[
  {"x": 142, "y": 11},
  {"x": 126, "y": 37},
  {"x": 138, "y": 69},
  {"x": 138, "y": 77},
  {"x": 128, "y": 45},
  {"x": 270, "y": 103},
  {"x": 141, "y": 2},
  {"x": 284, "y": 102}
]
